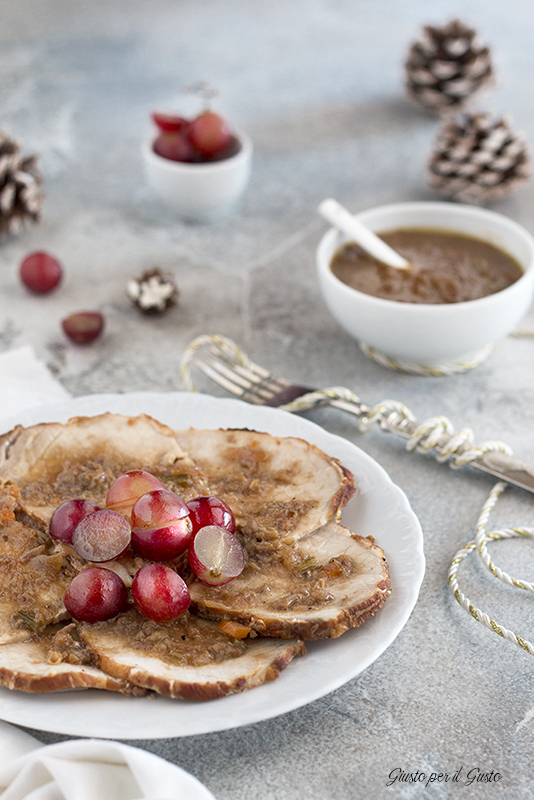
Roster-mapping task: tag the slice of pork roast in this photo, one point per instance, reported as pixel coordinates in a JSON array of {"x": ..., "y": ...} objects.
[
  {"x": 54, "y": 661},
  {"x": 327, "y": 582},
  {"x": 278, "y": 488},
  {"x": 52, "y": 462},
  {"x": 33, "y": 575},
  {"x": 188, "y": 658}
]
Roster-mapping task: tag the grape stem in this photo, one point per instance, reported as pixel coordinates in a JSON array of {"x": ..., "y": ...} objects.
[{"x": 204, "y": 91}]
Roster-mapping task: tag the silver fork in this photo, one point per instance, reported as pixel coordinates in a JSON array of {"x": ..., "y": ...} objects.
[{"x": 221, "y": 360}]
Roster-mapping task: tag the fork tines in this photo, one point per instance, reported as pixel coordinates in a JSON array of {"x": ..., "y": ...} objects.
[
  {"x": 242, "y": 381},
  {"x": 221, "y": 360}
]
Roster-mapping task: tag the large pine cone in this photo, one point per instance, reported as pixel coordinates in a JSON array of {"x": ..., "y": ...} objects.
[
  {"x": 20, "y": 180},
  {"x": 446, "y": 66},
  {"x": 477, "y": 159}
]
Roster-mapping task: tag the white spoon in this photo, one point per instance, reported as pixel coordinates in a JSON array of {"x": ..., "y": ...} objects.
[{"x": 344, "y": 221}]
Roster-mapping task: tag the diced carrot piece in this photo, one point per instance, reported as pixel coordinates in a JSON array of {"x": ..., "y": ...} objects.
[
  {"x": 234, "y": 629},
  {"x": 333, "y": 570}
]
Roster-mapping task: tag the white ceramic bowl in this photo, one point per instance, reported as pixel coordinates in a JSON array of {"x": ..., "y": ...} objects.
[
  {"x": 425, "y": 334},
  {"x": 199, "y": 192}
]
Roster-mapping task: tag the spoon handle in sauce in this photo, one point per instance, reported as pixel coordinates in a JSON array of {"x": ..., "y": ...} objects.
[{"x": 346, "y": 222}]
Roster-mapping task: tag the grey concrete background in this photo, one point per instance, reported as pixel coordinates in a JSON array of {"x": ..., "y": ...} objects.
[{"x": 318, "y": 85}]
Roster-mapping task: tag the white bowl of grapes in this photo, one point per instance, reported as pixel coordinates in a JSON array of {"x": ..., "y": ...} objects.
[{"x": 198, "y": 166}]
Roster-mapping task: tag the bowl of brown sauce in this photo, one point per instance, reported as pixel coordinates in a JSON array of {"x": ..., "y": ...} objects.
[{"x": 470, "y": 281}]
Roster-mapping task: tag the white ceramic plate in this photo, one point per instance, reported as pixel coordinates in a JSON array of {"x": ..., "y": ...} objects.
[{"x": 379, "y": 509}]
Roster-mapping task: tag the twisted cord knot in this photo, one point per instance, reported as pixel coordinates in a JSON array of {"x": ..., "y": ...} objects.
[
  {"x": 389, "y": 414},
  {"x": 427, "y": 435},
  {"x": 459, "y": 449}
]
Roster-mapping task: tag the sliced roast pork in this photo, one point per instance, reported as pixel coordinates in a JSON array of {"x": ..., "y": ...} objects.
[
  {"x": 53, "y": 661},
  {"x": 33, "y": 575},
  {"x": 327, "y": 582},
  {"x": 307, "y": 577},
  {"x": 187, "y": 658},
  {"x": 278, "y": 488},
  {"x": 53, "y": 462}
]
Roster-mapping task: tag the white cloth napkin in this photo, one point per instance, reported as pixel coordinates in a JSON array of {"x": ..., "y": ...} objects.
[
  {"x": 88, "y": 769},
  {"x": 25, "y": 382}
]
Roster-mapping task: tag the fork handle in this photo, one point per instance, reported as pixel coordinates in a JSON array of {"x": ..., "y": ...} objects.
[
  {"x": 495, "y": 462},
  {"x": 500, "y": 464},
  {"x": 288, "y": 394}
]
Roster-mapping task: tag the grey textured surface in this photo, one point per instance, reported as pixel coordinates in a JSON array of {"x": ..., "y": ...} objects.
[{"x": 318, "y": 85}]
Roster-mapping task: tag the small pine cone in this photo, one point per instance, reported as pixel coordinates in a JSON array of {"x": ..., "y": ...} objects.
[
  {"x": 153, "y": 292},
  {"x": 478, "y": 159},
  {"x": 446, "y": 66},
  {"x": 20, "y": 181}
]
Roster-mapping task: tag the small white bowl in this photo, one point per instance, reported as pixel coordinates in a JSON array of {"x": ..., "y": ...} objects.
[
  {"x": 442, "y": 335},
  {"x": 200, "y": 192}
]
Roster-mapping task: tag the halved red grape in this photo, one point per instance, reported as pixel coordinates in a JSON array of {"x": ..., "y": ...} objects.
[
  {"x": 211, "y": 511},
  {"x": 40, "y": 272},
  {"x": 175, "y": 146},
  {"x": 128, "y": 488},
  {"x": 83, "y": 326},
  {"x": 160, "y": 593},
  {"x": 209, "y": 133},
  {"x": 161, "y": 526},
  {"x": 101, "y": 535},
  {"x": 66, "y": 517},
  {"x": 95, "y": 594},
  {"x": 216, "y": 555},
  {"x": 169, "y": 122}
]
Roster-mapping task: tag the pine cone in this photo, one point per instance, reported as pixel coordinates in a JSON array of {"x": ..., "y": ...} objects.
[
  {"x": 478, "y": 159},
  {"x": 20, "y": 179},
  {"x": 446, "y": 66},
  {"x": 154, "y": 291}
]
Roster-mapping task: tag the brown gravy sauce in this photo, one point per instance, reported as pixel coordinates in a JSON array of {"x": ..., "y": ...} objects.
[{"x": 446, "y": 268}]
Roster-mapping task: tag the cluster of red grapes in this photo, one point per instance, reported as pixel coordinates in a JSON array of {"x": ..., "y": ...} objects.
[
  {"x": 41, "y": 273},
  {"x": 159, "y": 526},
  {"x": 207, "y": 137}
]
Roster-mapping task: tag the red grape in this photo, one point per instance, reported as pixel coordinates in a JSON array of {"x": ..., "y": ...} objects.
[
  {"x": 210, "y": 133},
  {"x": 66, "y": 517},
  {"x": 159, "y": 593},
  {"x": 230, "y": 150},
  {"x": 161, "y": 526},
  {"x": 169, "y": 122},
  {"x": 128, "y": 487},
  {"x": 216, "y": 555},
  {"x": 211, "y": 511},
  {"x": 101, "y": 535},
  {"x": 40, "y": 272},
  {"x": 95, "y": 594},
  {"x": 175, "y": 146},
  {"x": 83, "y": 326}
]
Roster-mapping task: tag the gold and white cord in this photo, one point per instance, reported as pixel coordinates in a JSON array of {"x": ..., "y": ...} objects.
[
  {"x": 436, "y": 371},
  {"x": 479, "y": 545}
]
